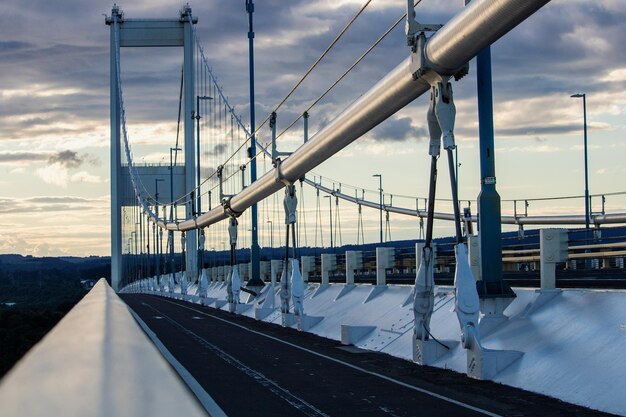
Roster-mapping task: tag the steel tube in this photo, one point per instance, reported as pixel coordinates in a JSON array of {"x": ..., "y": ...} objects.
[
  {"x": 524, "y": 220},
  {"x": 476, "y": 27}
]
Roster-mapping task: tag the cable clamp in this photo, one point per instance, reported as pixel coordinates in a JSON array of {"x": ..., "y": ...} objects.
[
  {"x": 422, "y": 68},
  {"x": 278, "y": 173},
  {"x": 228, "y": 209}
]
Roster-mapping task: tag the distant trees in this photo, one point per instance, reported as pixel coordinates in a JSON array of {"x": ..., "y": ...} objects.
[{"x": 43, "y": 290}]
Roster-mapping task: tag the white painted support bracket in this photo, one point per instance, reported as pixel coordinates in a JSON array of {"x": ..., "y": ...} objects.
[
  {"x": 483, "y": 363},
  {"x": 552, "y": 250},
  {"x": 267, "y": 303},
  {"x": 385, "y": 259},
  {"x": 241, "y": 308},
  {"x": 345, "y": 290},
  {"x": 203, "y": 284},
  {"x": 354, "y": 261},
  {"x": 303, "y": 323},
  {"x": 183, "y": 285},
  {"x": 276, "y": 268},
  {"x": 297, "y": 288},
  {"x": 427, "y": 352},
  {"x": 243, "y": 271},
  {"x": 308, "y": 266},
  {"x": 234, "y": 290},
  {"x": 375, "y": 292},
  {"x": 264, "y": 270},
  {"x": 329, "y": 263},
  {"x": 207, "y": 301},
  {"x": 473, "y": 250},
  {"x": 351, "y": 334},
  {"x": 492, "y": 310},
  {"x": 171, "y": 285}
]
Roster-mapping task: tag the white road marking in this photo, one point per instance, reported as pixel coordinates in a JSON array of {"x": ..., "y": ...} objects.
[
  {"x": 349, "y": 365},
  {"x": 295, "y": 401}
]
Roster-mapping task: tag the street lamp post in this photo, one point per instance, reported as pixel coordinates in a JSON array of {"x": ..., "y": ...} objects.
[
  {"x": 380, "y": 204},
  {"x": 172, "y": 182},
  {"x": 133, "y": 236},
  {"x": 171, "y": 233},
  {"x": 584, "y": 97},
  {"x": 157, "y": 238},
  {"x": 330, "y": 218}
]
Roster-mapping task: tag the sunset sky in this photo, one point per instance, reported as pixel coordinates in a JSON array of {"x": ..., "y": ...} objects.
[{"x": 54, "y": 105}]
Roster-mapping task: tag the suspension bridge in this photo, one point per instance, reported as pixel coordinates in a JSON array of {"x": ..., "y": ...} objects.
[{"x": 226, "y": 251}]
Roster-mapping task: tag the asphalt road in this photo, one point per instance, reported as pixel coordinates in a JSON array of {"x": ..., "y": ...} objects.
[{"x": 251, "y": 368}]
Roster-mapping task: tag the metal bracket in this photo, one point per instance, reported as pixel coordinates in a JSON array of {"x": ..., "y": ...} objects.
[
  {"x": 278, "y": 173},
  {"x": 228, "y": 209},
  {"x": 290, "y": 204},
  {"x": 201, "y": 240},
  {"x": 232, "y": 230},
  {"x": 412, "y": 27},
  {"x": 220, "y": 174},
  {"x": 242, "y": 168},
  {"x": 275, "y": 153},
  {"x": 422, "y": 68}
]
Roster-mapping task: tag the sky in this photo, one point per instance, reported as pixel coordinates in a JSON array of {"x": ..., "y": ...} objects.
[{"x": 54, "y": 106}]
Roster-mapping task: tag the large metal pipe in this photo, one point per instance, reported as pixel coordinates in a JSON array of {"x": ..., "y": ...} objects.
[
  {"x": 599, "y": 219},
  {"x": 477, "y": 26}
]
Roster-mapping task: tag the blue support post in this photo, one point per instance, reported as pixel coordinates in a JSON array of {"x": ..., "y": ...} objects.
[
  {"x": 489, "y": 214},
  {"x": 255, "y": 255}
]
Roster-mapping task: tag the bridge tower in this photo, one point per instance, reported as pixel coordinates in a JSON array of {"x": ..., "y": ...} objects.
[{"x": 151, "y": 33}]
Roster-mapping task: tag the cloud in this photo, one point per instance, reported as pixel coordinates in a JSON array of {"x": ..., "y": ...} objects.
[
  {"x": 216, "y": 150},
  {"x": 55, "y": 174},
  {"x": 67, "y": 159},
  {"x": 13, "y": 157},
  {"x": 398, "y": 129},
  {"x": 84, "y": 176}
]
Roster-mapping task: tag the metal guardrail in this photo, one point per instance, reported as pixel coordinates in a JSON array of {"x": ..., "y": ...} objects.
[{"x": 96, "y": 362}]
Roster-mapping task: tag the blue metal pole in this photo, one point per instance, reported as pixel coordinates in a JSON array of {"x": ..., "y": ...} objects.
[
  {"x": 255, "y": 255},
  {"x": 489, "y": 211}
]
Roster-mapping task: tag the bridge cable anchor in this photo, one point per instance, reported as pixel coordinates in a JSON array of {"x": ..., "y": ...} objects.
[{"x": 233, "y": 283}]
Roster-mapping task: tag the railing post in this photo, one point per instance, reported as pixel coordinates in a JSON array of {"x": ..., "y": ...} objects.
[
  {"x": 329, "y": 263},
  {"x": 385, "y": 259},
  {"x": 552, "y": 249},
  {"x": 354, "y": 261}
]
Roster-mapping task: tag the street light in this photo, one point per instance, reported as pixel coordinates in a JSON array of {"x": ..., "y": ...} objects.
[
  {"x": 271, "y": 233},
  {"x": 198, "y": 117},
  {"x": 584, "y": 97},
  {"x": 380, "y": 205},
  {"x": 330, "y": 217},
  {"x": 172, "y": 182},
  {"x": 157, "y": 244}
]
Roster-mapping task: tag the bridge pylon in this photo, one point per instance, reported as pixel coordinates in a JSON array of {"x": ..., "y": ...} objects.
[{"x": 177, "y": 32}]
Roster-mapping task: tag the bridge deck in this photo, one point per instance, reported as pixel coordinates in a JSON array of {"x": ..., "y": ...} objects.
[{"x": 254, "y": 368}]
